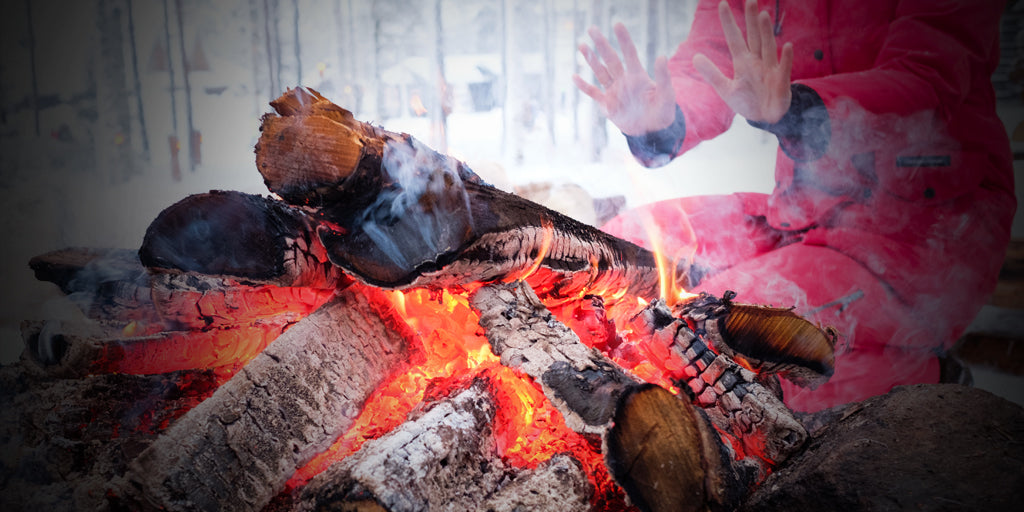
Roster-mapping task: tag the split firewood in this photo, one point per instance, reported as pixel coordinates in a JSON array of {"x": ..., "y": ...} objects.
[
  {"x": 397, "y": 214},
  {"x": 445, "y": 458},
  {"x": 597, "y": 396},
  {"x": 236, "y": 450},
  {"x": 697, "y": 347}
]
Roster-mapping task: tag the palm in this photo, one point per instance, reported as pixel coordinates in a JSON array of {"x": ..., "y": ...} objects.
[
  {"x": 627, "y": 95},
  {"x": 759, "y": 89}
]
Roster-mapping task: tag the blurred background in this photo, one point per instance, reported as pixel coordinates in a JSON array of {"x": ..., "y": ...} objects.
[{"x": 112, "y": 110}]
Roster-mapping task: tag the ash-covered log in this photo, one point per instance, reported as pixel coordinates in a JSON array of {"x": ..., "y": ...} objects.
[
  {"x": 397, "y": 214},
  {"x": 236, "y": 450},
  {"x": 661, "y": 450},
  {"x": 63, "y": 440},
  {"x": 444, "y": 457}
]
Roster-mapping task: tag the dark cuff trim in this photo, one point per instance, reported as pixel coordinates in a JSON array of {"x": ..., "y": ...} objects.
[
  {"x": 658, "y": 148},
  {"x": 804, "y": 132}
]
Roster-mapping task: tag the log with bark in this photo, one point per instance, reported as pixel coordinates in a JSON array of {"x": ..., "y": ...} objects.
[
  {"x": 236, "y": 450},
  {"x": 445, "y": 458},
  {"x": 396, "y": 214}
]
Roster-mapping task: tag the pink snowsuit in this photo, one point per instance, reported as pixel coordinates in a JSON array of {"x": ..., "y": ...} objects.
[{"x": 894, "y": 183}]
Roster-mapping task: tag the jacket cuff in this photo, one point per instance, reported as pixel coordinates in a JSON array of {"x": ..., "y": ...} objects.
[
  {"x": 657, "y": 148},
  {"x": 804, "y": 132}
]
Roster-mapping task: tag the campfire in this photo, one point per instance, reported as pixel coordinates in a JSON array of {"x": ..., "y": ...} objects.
[{"x": 389, "y": 332}]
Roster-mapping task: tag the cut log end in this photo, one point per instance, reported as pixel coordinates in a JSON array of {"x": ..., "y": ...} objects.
[{"x": 658, "y": 451}]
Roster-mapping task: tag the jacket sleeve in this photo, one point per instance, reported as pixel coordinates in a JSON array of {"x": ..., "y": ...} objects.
[{"x": 907, "y": 112}]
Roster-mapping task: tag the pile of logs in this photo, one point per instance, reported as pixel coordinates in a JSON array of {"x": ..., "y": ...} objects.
[{"x": 246, "y": 337}]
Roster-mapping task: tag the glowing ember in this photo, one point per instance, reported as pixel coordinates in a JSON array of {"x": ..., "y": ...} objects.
[{"x": 528, "y": 429}]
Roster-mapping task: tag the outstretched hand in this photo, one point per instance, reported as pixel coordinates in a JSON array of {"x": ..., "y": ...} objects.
[
  {"x": 627, "y": 95},
  {"x": 759, "y": 89}
]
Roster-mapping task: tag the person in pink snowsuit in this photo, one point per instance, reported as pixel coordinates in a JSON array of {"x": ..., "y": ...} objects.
[{"x": 893, "y": 193}]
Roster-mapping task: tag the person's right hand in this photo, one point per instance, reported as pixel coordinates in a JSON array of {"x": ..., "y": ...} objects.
[{"x": 627, "y": 95}]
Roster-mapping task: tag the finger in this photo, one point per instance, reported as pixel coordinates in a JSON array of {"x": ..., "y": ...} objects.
[
  {"x": 733, "y": 35},
  {"x": 769, "y": 49},
  {"x": 753, "y": 29},
  {"x": 711, "y": 73},
  {"x": 786, "y": 63},
  {"x": 629, "y": 54},
  {"x": 607, "y": 53},
  {"x": 600, "y": 73},
  {"x": 662, "y": 79},
  {"x": 588, "y": 89}
]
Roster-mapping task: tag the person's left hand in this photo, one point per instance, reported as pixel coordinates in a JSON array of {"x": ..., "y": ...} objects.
[{"x": 759, "y": 89}]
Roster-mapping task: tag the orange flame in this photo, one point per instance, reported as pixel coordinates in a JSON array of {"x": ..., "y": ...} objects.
[
  {"x": 417, "y": 105},
  {"x": 528, "y": 429}
]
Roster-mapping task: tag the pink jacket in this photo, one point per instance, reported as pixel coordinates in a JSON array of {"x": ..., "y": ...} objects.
[{"x": 901, "y": 146}]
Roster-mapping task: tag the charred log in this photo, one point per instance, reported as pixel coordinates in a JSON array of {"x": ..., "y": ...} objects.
[
  {"x": 445, "y": 458},
  {"x": 75, "y": 349},
  {"x": 63, "y": 440},
  {"x": 762, "y": 428},
  {"x": 597, "y": 396},
  {"x": 236, "y": 450},
  {"x": 397, "y": 214},
  {"x": 252, "y": 238},
  {"x": 582, "y": 383}
]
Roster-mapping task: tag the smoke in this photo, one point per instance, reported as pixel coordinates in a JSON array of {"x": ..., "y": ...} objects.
[{"x": 424, "y": 211}]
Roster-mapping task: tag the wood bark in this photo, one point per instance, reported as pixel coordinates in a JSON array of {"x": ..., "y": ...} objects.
[
  {"x": 762, "y": 428},
  {"x": 596, "y": 396},
  {"x": 397, "y": 214},
  {"x": 236, "y": 450},
  {"x": 445, "y": 458}
]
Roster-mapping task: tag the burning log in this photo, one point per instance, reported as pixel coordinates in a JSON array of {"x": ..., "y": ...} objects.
[
  {"x": 67, "y": 349},
  {"x": 142, "y": 323},
  {"x": 679, "y": 468},
  {"x": 237, "y": 449},
  {"x": 694, "y": 348},
  {"x": 397, "y": 214},
  {"x": 582, "y": 383},
  {"x": 445, "y": 457}
]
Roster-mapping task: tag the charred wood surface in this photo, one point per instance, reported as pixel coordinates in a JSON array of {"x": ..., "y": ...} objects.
[
  {"x": 252, "y": 238},
  {"x": 397, "y": 214},
  {"x": 63, "y": 440},
  {"x": 730, "y": 394},
  {"x": 236, "y": 450},
  {"x": 582, "y": 383},
  {"x": 445, "y": 458}
]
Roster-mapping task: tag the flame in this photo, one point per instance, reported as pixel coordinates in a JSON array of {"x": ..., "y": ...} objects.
[
  {"x": 528, "y": 429},
  {"x": 547, "y": 236},
  {"x": 417, "y": 105}
]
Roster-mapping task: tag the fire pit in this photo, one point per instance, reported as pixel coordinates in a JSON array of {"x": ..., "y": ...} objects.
[{"x": 391, "y": 333}]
